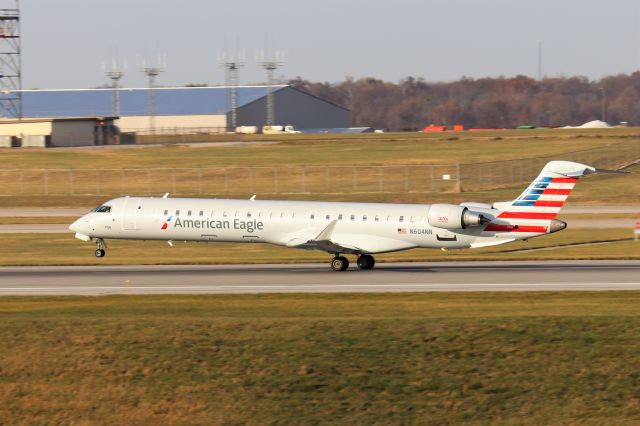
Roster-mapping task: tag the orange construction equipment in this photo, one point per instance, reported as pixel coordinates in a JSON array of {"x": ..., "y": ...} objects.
[{"x": 432, "y": 128}]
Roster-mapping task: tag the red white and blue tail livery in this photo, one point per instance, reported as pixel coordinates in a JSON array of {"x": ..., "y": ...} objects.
[
  {"x": 536, "y": 209},
  {"x": 361, "y": 229}
]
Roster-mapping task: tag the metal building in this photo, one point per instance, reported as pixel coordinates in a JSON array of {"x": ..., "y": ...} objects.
[
  {"x": 189, "y": 108},
  {"x": 295, "y": 107}
]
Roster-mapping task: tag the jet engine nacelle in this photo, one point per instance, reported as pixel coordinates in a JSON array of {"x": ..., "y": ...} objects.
[{"x": 450, "y": 216}]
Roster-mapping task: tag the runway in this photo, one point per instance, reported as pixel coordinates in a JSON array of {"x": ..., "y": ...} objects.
[{"x": 317, "y": 278}]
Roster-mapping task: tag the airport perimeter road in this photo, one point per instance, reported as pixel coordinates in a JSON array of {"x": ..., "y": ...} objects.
[{"x": 317, "y": 278}]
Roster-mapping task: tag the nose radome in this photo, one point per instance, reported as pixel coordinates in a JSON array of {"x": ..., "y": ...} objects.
[
  {"x": 78, "y": 225},
  {"x": 74, "y": 226}
]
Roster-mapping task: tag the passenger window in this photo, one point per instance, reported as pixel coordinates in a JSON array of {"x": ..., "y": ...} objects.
[
  {"x": 166, "y": 212},
  {"x": 377, "y": 218},
  {"x": 328, "y": 217},
  {"x": 189, "y": 213},
  {"x": 313, "y": 216},
  {"x": 364, "y": 218},
  {"x": 401, "y": 218},
  {"x": 201, "y": 213},
  {"x": 177, "y": 212},
  {"x": 340, "y": 216},
  {"x": 248, "y": 214},
  {"x": 353, "y": 217},
  {"x": 224, "y": 214}
]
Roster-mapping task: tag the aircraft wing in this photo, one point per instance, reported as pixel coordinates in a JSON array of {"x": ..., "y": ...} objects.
[{"x": 333, "y": 242}]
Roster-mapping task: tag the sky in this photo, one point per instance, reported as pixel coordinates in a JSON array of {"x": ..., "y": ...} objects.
[{"x": 64, "y": 42}]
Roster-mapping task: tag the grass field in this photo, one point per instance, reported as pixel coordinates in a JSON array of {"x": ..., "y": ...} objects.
[
  {"x": 507, "y": 358},
  {"x": 371, "y": 149},
  {"x": 64, "y": 249},
  {"x": 328, "y": 168}
]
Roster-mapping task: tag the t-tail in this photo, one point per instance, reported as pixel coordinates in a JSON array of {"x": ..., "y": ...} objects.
[{"x": 536, "y": 210}]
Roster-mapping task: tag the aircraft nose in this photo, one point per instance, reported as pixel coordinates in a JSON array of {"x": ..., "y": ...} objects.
[{"x": 78, "y": 225}]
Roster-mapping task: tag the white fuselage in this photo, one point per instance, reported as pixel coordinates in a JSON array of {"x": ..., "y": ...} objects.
[{"x": 361, "y": 227}]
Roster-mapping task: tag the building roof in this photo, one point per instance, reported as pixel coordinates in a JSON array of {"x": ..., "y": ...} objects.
[{"x": 169, "y": 101}]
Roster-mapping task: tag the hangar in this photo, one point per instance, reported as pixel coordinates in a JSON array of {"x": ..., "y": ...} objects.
[{"x": 188, "y": 109}]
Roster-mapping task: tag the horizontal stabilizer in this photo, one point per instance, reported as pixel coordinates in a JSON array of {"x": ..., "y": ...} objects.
[{"x": 612, "y": 172}]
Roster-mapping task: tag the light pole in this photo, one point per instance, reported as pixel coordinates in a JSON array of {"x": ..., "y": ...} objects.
[{"x": 602, "y": 105}]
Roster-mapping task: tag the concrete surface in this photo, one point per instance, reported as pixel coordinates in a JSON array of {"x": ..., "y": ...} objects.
[{"x": 318, "y": 278}]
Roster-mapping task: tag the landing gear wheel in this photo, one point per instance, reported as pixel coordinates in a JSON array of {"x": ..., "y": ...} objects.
[
  {"x": 339, "y": 263},
  {"x": 102, "y": 246},
  {"x": 366, "y": 261}
]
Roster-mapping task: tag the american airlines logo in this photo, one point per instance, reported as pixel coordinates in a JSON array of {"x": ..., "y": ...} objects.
[
  {"x": 166, "y": 222},
  {"x": 443, "y": 219}
]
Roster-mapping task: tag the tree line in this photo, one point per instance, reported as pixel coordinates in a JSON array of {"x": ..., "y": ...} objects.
[{"x": 502, "y": 102}]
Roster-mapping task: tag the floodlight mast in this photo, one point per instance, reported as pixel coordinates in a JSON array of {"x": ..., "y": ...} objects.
[
  {"x": 232, "y": 65},
  {"x": 10, "y": 62},
  {"x": 115, "y": 74},
  {"x": 152, "y": 72},
  {"x": 271, "y": 65}
]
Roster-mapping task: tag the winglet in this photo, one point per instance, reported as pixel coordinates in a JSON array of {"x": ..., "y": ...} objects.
[
  {"x": 166, "y": 195},
  {"x": 252, "y": 198}
]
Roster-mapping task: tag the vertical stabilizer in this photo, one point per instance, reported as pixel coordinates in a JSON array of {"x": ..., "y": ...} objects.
[{"x": 538, "y": 206}]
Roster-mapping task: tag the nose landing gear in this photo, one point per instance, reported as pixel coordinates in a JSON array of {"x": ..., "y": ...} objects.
[{"x": 102, "y": 246}]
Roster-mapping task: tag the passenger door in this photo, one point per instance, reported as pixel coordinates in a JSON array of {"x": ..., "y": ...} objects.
[{"x": 130, "y": 213}]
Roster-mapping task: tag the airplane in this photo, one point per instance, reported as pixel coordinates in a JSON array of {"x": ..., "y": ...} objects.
[{"x": 339, "y": 228}]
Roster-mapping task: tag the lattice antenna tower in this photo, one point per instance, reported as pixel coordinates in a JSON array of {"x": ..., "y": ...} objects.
[
  {"x": 153, "y": 71},
  {"x": 115, "y": 74},
  {"x": 271, "y": 63},
  {"x": 10, "y": 60},
  {"x": 232, "y": 64}
]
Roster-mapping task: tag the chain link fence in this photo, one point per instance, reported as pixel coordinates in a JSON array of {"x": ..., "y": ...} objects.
[
  {"x": 505, "y": 173},
  {"x": 283, "y": 180}
]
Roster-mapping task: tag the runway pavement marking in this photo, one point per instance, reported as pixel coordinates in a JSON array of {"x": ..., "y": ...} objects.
[{"x": 332, "y": 286}]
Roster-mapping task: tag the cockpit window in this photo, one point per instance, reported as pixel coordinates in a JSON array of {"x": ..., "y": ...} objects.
[{"x": 103, "y": 209}]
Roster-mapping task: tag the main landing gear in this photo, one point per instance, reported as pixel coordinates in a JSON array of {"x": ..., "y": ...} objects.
[
  {"x": 102, "y": 246},
  {"x": 341, "y": 263}
]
